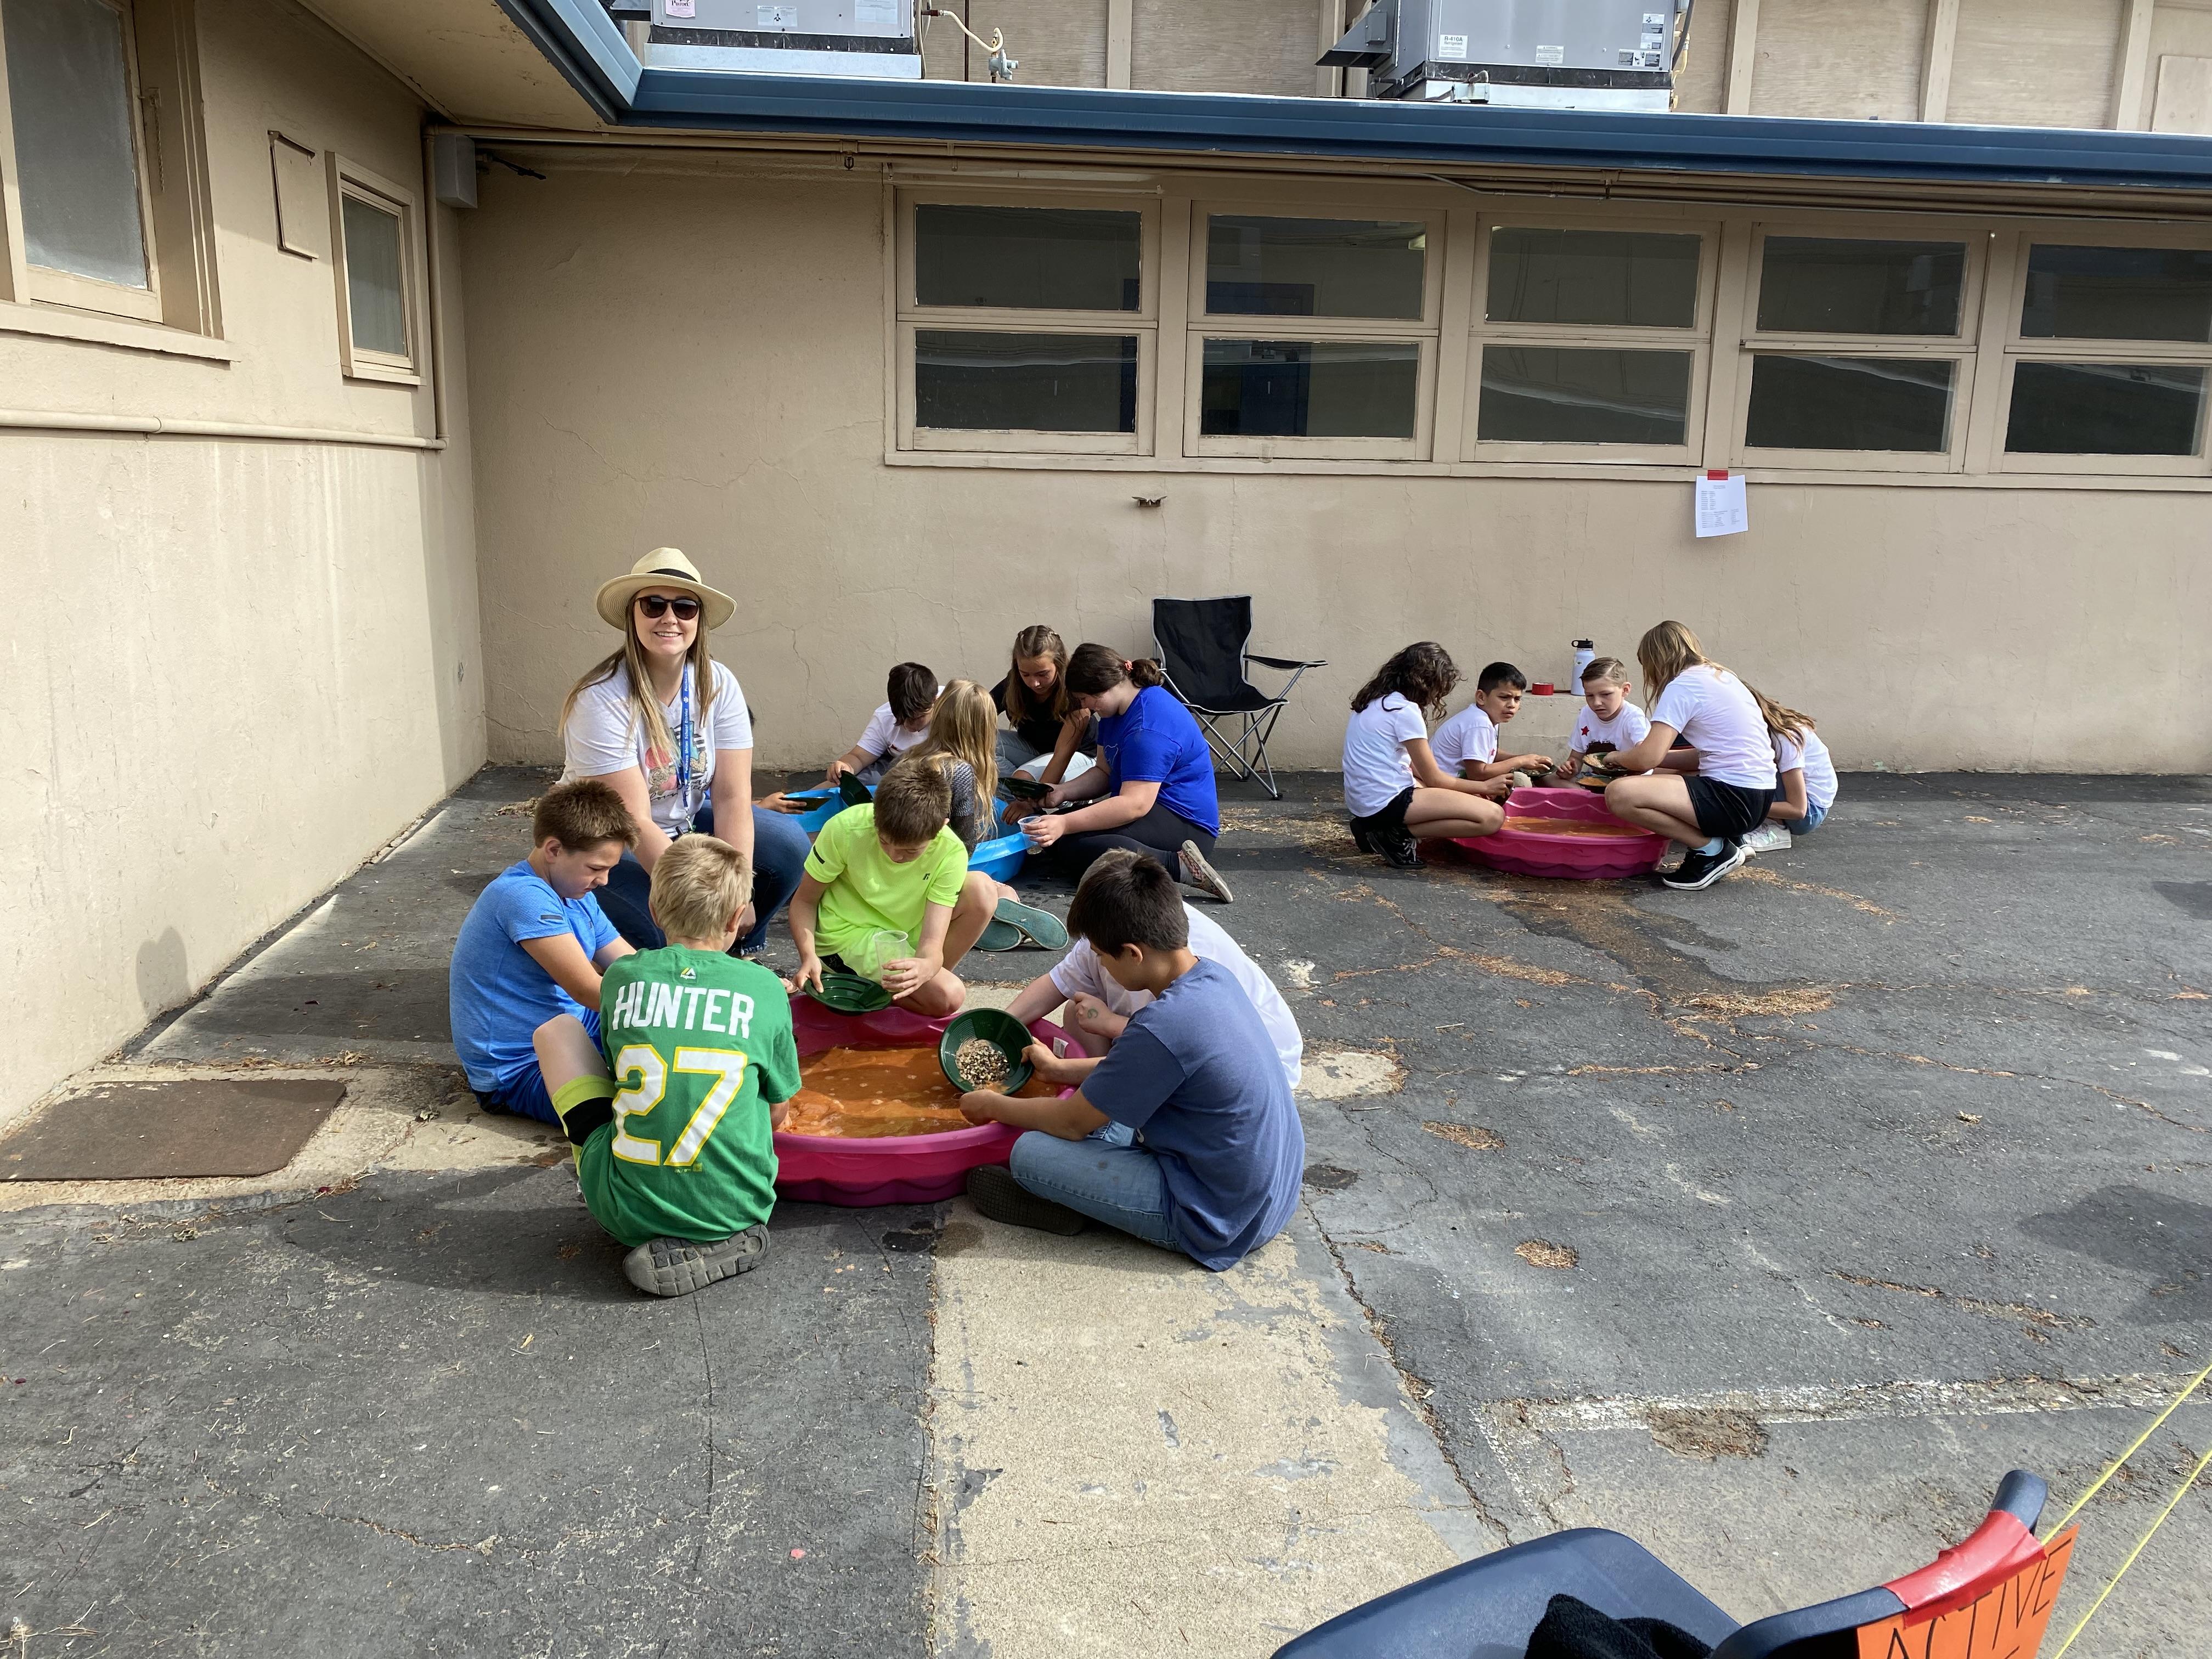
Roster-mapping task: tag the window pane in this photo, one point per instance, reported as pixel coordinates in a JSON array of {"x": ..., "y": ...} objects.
[
  {"x": 1310, "y": 388},
  {"x": 1034, "y": 258},
  {"x": 1820, "y": 285},
  {"x": 373, "y": 278},
  {"x": 2105, "y": 409},
  {"x": 1257, "y": 267},
  {"x": 2118, "y": 294},
  {"x": 1535, "y": 395},
  {"x": 1608, "y": 278},
  {"x": 1025, "y": 382},
  {"x": 76, "y": 150},
  {"x": 1851, "y": 403}
]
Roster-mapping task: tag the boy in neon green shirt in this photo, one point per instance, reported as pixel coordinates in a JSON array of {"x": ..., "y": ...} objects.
[
  {"x": 894, "y": 866},
  {"x": 673, "y": 1113}
]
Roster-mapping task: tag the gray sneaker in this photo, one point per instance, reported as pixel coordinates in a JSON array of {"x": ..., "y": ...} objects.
[
  {"x": 1197, "y": 872},
  {"x": 674, "y": 1266}
]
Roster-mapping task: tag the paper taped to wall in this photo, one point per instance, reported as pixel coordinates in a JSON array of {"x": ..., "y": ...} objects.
[
  {"x": 1721, "y": 507},
  {"x": 1451, "y": 47}
]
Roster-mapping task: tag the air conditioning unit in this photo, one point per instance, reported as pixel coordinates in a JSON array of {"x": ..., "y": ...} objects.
[
  {"x": 1523, "y": 54},
  {"x": 873, "y": 39}
]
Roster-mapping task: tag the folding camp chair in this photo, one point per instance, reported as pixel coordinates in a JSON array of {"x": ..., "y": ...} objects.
[
  {"x": 1487, "y": 1608},
  {"x": 1200, "y": 644}
]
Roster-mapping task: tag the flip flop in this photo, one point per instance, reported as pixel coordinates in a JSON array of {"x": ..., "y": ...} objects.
[
  {"x": 998, "y": 936},
  {"x": 1041, "y": 927}
]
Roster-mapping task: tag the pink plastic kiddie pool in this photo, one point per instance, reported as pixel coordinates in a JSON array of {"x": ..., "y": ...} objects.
[
  {"x": 1541, "y": 838},
  {"x": 885, "y": 1169}
]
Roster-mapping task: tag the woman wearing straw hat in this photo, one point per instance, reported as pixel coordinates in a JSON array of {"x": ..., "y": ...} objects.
[{"x": 667, "y": 728}]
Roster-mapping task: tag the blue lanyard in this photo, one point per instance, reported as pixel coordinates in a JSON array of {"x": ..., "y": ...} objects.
[{"x": 684, "y": 747}]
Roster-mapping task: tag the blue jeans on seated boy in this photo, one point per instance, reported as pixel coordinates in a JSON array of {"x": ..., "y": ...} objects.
[
  {"x": 780, "y": 849},
  {"x": 1106, "y": 1176},
  {"x": 1813, "y": 819}
]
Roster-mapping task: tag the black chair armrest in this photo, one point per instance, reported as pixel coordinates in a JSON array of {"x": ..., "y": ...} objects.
[{"x": 1283, "y": 662}]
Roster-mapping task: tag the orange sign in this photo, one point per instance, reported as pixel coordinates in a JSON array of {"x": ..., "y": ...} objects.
[{"x": 2006, "y": 1621}]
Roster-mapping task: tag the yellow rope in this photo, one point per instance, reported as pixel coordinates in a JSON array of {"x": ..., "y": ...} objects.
[
  {"x": 2120, "y": 1462},
  {"x": 2171, "y": 1502}
]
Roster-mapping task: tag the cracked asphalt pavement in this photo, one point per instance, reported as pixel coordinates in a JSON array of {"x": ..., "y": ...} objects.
[{"x": 1770, "y": 1224}]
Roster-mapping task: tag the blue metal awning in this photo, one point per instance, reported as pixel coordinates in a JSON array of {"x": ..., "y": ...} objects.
[{"x": 580, "y": 40}]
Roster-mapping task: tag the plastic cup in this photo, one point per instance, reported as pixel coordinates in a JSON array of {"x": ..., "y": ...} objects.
[{"x": 884, "y": 946}]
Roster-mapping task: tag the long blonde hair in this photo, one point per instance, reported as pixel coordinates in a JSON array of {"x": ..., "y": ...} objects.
[
  {"x": 964, "y": 726},
  {"x": 1666, "y": 652},
  {"x": 646, "y": 713},
  {"x": 1780, "y": 721}
]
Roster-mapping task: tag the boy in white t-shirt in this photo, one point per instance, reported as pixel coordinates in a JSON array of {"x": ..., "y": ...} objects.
[
  {"x": 1608, "y": 720},
  {"x": 900, "y": 722},
  {"x": 1099, "y": 1009},
  {"x": 1466, "y": 745}
]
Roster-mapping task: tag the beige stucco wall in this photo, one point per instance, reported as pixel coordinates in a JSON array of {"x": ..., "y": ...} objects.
[
  {"x": 700, "y": 361},
  {"x": 237, "y": 667}
]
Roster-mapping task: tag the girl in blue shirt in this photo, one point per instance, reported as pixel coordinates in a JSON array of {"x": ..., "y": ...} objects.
[{"x": 1152, "y": 789}]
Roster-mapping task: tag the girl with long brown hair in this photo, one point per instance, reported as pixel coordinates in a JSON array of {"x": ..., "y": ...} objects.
[
  {"x": 1034, "y": 698},
  {"x": 1394, "y": 787},
  {"x": 666, "y": 726},
  {"x": 1152, "y": 790},
  {"x": 1805, "y": 781},
  {"x": 1719, "y": 717}
]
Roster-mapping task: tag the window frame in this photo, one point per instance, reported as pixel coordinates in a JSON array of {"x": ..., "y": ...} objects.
[
  {"x": 2016, "y": 349},
  {"x": 910, "y": 317},
  {"x": 45, "y": 285},
  {"x": 1962, "y": 347},
  {"x": 350, "y": 178},
  {"x": 1501, "y": 213},
  {"x": 1425, "y": 332}
]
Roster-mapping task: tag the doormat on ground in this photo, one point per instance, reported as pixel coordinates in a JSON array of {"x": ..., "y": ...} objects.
[{"x": 168, "y": 1131}]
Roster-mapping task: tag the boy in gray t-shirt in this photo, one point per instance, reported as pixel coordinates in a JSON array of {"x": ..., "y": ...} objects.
[{"x": 1213, "y": 1167}]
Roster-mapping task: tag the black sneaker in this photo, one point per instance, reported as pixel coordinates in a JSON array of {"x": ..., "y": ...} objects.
[
  {"x": 994, "y": 1191},
  {"x": 674, "y": 1266},
  {"x": 1700, "y": 870},
  {"x": 1360, "y": 838},
  {"x": 1399, "y": 852}
]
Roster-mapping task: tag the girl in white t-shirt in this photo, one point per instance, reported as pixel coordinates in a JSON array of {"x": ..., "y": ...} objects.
[
  {"x": 1805, "y": 785},
  {"x": 1392, "y": 787},
  {"x": 1716, "y": 715}
]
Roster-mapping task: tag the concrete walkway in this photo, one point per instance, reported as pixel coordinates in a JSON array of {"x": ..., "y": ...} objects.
[{"x": 1770, "y": 1224}]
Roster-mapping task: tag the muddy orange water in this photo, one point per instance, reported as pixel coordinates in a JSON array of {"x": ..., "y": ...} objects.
[
  {"x": 1611, "y": 830},
  {"x": 862, "y": 1093}
]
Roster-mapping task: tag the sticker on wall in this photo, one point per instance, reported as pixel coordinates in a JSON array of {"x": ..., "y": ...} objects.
[
  {"x": 1721, "y": 510},
  {"x": 775, "y": 17},
  {"x": 875, "y": 14},
  {"x": 1551, "y": 54},
  {"x": 684, "y": 8},
  {"x": 1451, "y": 48}
]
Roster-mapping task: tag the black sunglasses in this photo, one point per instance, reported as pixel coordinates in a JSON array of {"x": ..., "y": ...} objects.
[{"x": 656, "y": 606}]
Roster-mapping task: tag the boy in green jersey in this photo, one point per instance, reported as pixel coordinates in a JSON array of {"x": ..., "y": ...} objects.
[{"x": 673, "y": 1112}]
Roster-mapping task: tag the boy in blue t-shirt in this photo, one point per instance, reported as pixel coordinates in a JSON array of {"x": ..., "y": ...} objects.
[
  {"x": 1213, "y": 1165},
  {"x": 536, "y": 943}
]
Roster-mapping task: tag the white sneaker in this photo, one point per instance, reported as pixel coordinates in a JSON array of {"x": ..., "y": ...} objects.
[{"x": 1767, "y": 838}]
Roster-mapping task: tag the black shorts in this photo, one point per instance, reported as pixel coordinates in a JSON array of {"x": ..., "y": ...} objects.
[
  {"x": 1391, "y": 820},
  {"x": 1727, "y": 809}
]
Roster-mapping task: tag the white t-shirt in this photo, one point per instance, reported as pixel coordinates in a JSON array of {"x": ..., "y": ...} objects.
[
  {"x": 1820, "y": 770},
  {"x": 1467, "y": 736},
  {"x": 1718, "y": 719},
  {"x": 1375, "y": 764},
  {"x": 605, "y": 735},
  {"x": 885, "y": 737},
  {"x": 1627, "y": 728},
  {"x": 1080, "y": 974}
]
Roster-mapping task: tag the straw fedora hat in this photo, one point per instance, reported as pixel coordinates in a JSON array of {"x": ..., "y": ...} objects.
[{"x": 665, "y": 567}]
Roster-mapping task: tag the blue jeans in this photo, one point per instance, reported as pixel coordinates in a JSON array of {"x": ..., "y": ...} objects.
[
  {"x": 1106, "y": 1176},
  {"x": 1813, "y": 819},
  {"x": 780, "y": 849}
]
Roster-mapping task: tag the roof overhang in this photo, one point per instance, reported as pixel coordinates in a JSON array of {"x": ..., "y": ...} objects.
[{"x": 579, "y": 38}]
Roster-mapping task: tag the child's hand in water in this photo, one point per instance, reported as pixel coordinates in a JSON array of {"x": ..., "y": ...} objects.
[{"x": 976, "y": 1106}]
